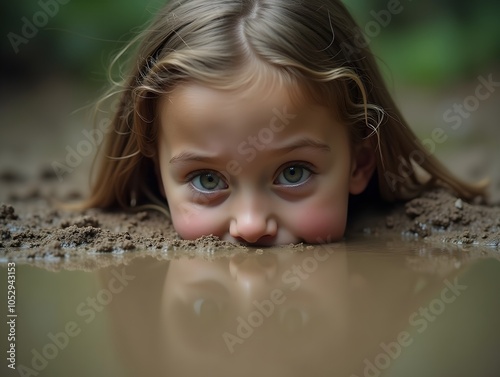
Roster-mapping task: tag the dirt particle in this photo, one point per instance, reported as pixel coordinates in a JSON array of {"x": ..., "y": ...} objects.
[
  {"x": 415, "y": 208},
  {"x": 51, "y": 216},
  {"x": 420, "y": 229},
  {"x": 5, "y": 234},
  {"x": 441, "y": 221},
  {"x": 456, "y": 216},
  {"x": 7, "y": 212},
  {"x": 127, "y": 245},
  {"x": 15, "y": 243},
  {"x": 104, "y": 247},
  {"x": 459, "y": 204}
]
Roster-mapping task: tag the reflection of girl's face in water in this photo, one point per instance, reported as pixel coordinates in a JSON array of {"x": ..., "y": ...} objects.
[
  {"x": 255, "y": 305},
  {"x": 321, "y": 312}
]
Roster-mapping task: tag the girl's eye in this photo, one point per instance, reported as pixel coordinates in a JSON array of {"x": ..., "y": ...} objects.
[
  {"x": 293, "y": 175},
  {"x": 208, "y": 181}
]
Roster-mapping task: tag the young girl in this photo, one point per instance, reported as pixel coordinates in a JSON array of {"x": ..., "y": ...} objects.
[{"x": 257, "y": 121}]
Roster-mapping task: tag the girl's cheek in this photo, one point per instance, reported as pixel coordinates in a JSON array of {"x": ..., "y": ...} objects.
[
  {"x": 321, "y": 224},
  {"x": 191, "y": 222}
]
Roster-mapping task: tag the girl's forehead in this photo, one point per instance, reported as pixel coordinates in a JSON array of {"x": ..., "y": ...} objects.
[
  {"x": 240, "y": 95},
  {"x": 195, "y": 114},
  {"x": 193, "y": 103}
]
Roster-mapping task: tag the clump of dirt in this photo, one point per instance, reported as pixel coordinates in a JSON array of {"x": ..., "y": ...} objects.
[
  {"x": 39, "y": 231},
  {"x": 7, "y": 212},
  {"x": 81, "y": 222},
  {"x": 33, "y": 226},
  {"x": 437, "y": 215},
  {"x": 75, "y": 236}
]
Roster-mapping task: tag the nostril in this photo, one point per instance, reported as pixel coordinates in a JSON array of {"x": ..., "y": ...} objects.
[
  {"x": 248, "y": 236},
  {"x": 265, "y": 241}
]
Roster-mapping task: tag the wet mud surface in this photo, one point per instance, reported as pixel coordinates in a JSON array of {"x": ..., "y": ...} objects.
[
  {"x": 33, "y": 224},
  {"x": 436, "y": 216},
  {"x": 154, "y": 311}
]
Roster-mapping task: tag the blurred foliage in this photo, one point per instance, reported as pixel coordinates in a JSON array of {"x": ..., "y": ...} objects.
[
  {"x": 434, "y": 43},
  {"x": 79, "y": 40},
  {"x": 429, "y": 42}
]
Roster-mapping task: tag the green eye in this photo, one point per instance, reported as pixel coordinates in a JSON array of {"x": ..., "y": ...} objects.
[
  {"x": 293, "y": 175},
  {"x": 208, "y": 181}
]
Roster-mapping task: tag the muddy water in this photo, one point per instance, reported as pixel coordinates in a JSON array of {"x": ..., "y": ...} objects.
[{"x": 364, "y": 308}]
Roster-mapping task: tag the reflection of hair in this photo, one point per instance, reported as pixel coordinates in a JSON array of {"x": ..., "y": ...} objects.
[{"x": 233, "y": 44}]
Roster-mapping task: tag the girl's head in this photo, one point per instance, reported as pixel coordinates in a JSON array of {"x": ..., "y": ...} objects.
[{"x": 255, "y": 121}]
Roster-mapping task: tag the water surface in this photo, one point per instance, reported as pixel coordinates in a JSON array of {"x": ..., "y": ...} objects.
[{"x": 366, "y": 308}]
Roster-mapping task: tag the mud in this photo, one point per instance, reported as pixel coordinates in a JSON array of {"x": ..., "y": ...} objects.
[
  {"x": 436, "y": 216},
  {"x": 34, "y": 229},
  {"x": 32, "y": 225}
]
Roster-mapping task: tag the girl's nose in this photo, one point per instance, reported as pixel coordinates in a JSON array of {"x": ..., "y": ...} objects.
[{"x": 253, "y": 225}]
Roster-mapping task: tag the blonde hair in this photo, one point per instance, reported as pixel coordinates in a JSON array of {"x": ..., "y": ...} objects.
[{"x": 227, "y": 44}]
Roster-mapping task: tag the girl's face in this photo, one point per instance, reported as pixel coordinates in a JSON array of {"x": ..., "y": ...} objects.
[{"x": 256, "y": 167}]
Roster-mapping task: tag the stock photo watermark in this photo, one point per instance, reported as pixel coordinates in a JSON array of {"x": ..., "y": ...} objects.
[
  {"x": 88, "y": 144},
  {"x": 460, "y": 111},
  {"x": 31, "y": 26},
  {"x": 454, "y": 116},
  {"x": 248, "y": 148},
  {"x": 419, "y": 320},
  {"x": 87, "y": 310},
  {"x": 292, "y": 278},
  {"x": 372, "y": 29},
  {"x": 11, "y": 315}
]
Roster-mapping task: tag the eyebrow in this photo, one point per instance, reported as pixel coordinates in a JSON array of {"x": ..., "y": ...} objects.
[
  {"x": 184, "y": 157},
  {"x": 187, "y": 156},
  {"x": 304, "y": 142}
]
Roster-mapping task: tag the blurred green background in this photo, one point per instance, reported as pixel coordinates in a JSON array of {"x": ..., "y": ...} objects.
[
  {"x": 428, "y": 43},
  {"x": 435, "y": 43}
]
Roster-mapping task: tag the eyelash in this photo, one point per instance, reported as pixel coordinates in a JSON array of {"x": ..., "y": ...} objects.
[
  {"x": 207, "y": 194},
  {"x": 190, "y": 176},
  {"x": 298, "y": 164},
  {"x": 203, "y": 194}
]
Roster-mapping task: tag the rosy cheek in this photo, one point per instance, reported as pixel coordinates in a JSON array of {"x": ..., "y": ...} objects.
[
  {"x": 320, "y": 225},
  {"x": 192, "y": 223}
]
